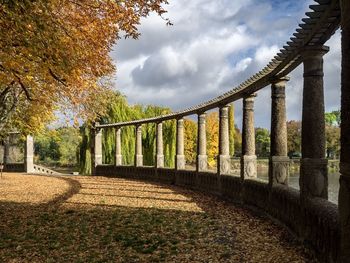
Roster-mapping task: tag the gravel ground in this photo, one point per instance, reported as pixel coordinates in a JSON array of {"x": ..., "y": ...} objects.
[{"x": 99, "y": 219}]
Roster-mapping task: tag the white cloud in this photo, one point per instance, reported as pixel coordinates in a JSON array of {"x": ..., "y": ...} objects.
[{"x": 212, "y": 47}]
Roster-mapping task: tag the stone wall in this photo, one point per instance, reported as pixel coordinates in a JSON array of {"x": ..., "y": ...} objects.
[
  {"x": 14, "y": 167},
  {"x": 315, "y": 222}
]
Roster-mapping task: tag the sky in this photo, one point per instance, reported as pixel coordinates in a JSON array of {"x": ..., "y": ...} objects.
[{"x": 212, "y": 47}]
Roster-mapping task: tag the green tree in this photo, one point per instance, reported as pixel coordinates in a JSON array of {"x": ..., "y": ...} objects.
[
  {"x": 332, "y": 141},
  {"x": 333, "y": 118},
  {"x": 262, "y": 142},
  {"x": 232, "y": 130}
]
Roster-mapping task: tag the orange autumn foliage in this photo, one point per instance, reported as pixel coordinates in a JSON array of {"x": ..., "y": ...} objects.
[{"x": 55, "y": 53}]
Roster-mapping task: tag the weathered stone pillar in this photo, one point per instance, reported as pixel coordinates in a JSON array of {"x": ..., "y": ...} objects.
[
  {"x": 160, "y": 152},
  {"x": 138, "y": 150},
  {"x": 344, "y": 191},
  {"x": 118, "y": 147},
  {"x": 279, "y": 161},
  {"x": 180, "y": 152},
  {"x": 29, "y": 154},
  {"x": 248, "y": 159},
  {"x": 202, "y": 158},
  {"x": 313, "y": 166},
  {"x": 224, "y": 161},
  {"x": 98, "y": 147}
]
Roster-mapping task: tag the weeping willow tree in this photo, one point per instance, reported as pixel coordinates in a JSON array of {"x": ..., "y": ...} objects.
[
  {"x": 169, "y": 134},
  {"x": 231, "y": 118},
  {"x": 120, "y": 111},
  {"x": 85, "y": 150},
  {"x": 149, "y": 137}
]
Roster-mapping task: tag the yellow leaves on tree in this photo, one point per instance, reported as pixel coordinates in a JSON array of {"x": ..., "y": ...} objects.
[
  {"x": 212, "y": 121},
  {"x": 190, "y": 141},
  {"x": 56, "y": 52}
]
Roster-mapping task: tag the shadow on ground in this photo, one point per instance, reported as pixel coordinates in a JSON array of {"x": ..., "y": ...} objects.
[{"x": 115, "y": 220}]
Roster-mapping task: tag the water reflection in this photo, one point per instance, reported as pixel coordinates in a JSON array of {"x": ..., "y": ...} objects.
[{"x": 333, "y": 183}]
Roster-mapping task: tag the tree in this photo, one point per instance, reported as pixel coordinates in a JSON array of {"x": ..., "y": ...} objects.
[
  {"x": 119, "y": 111},
  {"x": 294, "y": 137},
  {"x": 332, "y": 141},
  {"x": 56, "y": 53},
  {"x": 212, "y": 126},
  {"x": 190, "y": 140},
  {"x": 333, "y": 118},
  {"x": 59, "y": 146},
  {"x": 237, "y": 141},
  {"x": 332, "y": 133},
  {"x": 262, "y": 142},
  {"x": 231, "y": 118}
]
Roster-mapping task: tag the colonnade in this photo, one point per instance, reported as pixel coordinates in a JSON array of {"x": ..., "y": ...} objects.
[{"x": 313, "y": 171}]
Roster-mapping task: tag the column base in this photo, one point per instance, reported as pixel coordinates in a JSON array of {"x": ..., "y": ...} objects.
[
  {"x": 118, "y": 160},
  {"x": 180, "y": 162},
  {"x": 279, "y": 170},
  {"x": 29, "y": 165},
  {"x": 139, "y": 160},
  {"x": 98, "y": 159},
  {"x": 224, "y": 163},
  {"x": 314, "y": 178},
  {"x": 248, "y": 167},
  {"x": 160, "y": 161},
  {"x": 202, "y": 163}
]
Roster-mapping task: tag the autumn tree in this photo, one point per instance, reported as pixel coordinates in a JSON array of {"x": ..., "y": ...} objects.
[
  {"x": 55, "y": 53},
  {"x": 294, "y": 137},
  {"x": 190, "y": 140},
  {"x": 212, "y": 126}
]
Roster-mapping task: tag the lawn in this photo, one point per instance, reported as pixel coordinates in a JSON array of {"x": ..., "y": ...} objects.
[{"x": 100, "y": 219}]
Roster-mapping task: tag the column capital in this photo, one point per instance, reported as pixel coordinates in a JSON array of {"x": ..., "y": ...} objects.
[
  {"x": 314, "y": 51},
  {"x": 224, "y": 111},
  {"x": 180, "y": 123},
  {"x": 201, "y": 117},
  {"x": 250, "y": 97},
  {"x": 277, "y": 82},
  {"x": 248, "y": 102}
]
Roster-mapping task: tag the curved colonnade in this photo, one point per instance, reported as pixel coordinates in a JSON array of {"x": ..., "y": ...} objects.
[{"x": 323, "y": 225}]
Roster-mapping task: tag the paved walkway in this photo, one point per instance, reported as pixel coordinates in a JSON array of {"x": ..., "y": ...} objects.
[{"x": 99, "y": 219}]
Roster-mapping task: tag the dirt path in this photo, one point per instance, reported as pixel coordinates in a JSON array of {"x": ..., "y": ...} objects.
[{"x": 99, "y": 219}]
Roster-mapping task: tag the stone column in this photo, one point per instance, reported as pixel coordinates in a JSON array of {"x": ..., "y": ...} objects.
[
  {"x": 344, "y": 191},
  {"x": 313, "y": 166},
  {"x": 138, "y": 146},
  {"x": 248, "y": 159},
  {"x": 224, "y": 142},
  {"x": 279, "y": 161},
  {"x": 98, "y": 147},
  {"x": 202, "y": 158},
  {"x": 29, "y": 154},
  {"x": 180, "y": 152},
  {"x": 118, "y": 147},
  {"x": 160, "y": 152}
]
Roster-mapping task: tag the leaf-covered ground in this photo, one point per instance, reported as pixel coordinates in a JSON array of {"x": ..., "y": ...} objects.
[{"x": 98, "y": 219}]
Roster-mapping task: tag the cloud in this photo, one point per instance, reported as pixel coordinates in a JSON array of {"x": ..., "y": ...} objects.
[{"x": 213, "y": 47}]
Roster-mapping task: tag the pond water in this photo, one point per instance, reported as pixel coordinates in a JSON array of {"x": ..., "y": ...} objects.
[{"x": 333, "y": 183}]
